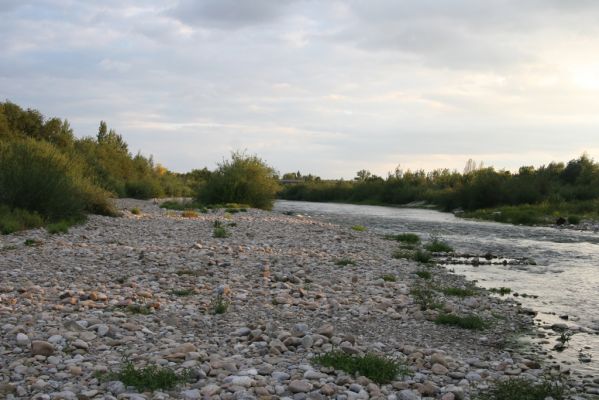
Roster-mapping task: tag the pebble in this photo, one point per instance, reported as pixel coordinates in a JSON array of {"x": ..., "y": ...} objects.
[{"x": 144, "y": 289}]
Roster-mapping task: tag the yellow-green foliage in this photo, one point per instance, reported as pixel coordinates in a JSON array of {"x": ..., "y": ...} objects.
[
  {"x": 243, "y": 179},
  {"x": 37, "y": 176}
]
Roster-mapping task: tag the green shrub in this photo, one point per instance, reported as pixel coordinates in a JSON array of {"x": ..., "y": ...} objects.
[
  {"x": 33, "y": 242},
  {"x": 459, "y": 292},
  {"x": 189, "y": 214},
  {"x": 243, "y": 179},
  {"x": 472, "y": 322},
  {"x": 377, "y": 368},
  {"x": 501, "y": 290},
  {"x": 424, "y": 274},
  {"x": 135, "y": 211},
  {"x": 359, "y": 228},
  {"x": 18, "y": 219},
  {"x": 524, "y": 389},
  {"x": 220, "y": 232},
  {"x": 344, "y": 262},
  {"x": 38, "y": 177},
  {"x": 437, "y": 246},
  {"x": 182, "y": 292},
  {"x": 403, "y": 253},
  {"x": 389, "y": 278},
  {"x": 58, "y": 227},
  {"x": 148, "y": 378},
  {"x": 425, "y": 297},
  {"x": 422, "y": 256},
  {"x": 220, "y": 305},
  {"x": 574, "y": 219},
  {"x": 410, "y": 238}
]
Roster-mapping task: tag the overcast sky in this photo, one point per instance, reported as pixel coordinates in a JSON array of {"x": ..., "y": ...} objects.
[{"x": 324, "y": 87}]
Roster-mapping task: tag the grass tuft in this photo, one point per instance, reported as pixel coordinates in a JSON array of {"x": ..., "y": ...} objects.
[
  {"x": 379, "y": 369},
  {"x": 459, "y": 292},
  {"x": 389, "y": 278},
  {"x": 189, "y": 214},
  {"x": 523, "y": 389},
  {"x": 135, "y": 211},
  {"x": 501, "y": 290},
  {"x": 220, "y": 305},
  {"x": 148, "y": 378},
  {"x": 58, "y": 227},
  {"x": 410, "y": 238},
  {"x": 424, "y": 274},
  {"x": 438, "y": 246},
  {"x": 359, "y": 228},
  {"x": 33, "y": 242},
  {"x": 344, "y": 262},
  {"x": 182, "y": 292},
  {"x": 471, "y": 322},
  {"x": 425, "y": 297}
]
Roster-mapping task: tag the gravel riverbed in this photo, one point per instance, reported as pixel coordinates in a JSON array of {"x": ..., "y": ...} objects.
[{"x": 70, "y": 312}]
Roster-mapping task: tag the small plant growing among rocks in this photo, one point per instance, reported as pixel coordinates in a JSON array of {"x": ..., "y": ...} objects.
[
  {"x": 148, "y": 378},
  {"x": 459, "y": 292},
  {"x": 135, "y": 211},
  {"x": 379, "y": 369},
  {"x": 501, "y": 291},
  {"x": 219, "y": 230},
  {"x": 438, "y": 246},
  {"x": 471, "y": 322},
  {"x": 58, "y": 227},
  {"x": 389, "y": 278},
  {"x": 344, "y": 262},
  {"x": 359, "y": 228},
  {"x": 524, "y": 389},
  {"x": 410, "y": 238},
  {"x": 219, "y": 304},
  {"x": 424, "y": 274},
  {"x": 425, "y": 297},
  {"x": 182, "y": 292},
  {"x": 33, "y": 242},
  {"x": 423, "y": 257},
  {"x": 189, "y": 214},
  {"x": 139, "y": 309}
]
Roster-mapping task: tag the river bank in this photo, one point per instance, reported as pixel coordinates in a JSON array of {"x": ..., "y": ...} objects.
[{"x": 143, "y": 288}]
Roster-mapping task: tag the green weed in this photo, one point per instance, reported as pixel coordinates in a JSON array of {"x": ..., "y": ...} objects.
[
  {"x": 389, "y": 278},
  {"x": 148, "y": 378},
  {"x": 471, "y": 322},
  {"x": 359, "y": 228},
  {"x": 437, "y": 246},
  {"x": 501, "y": 290},
  {"x": 459, "y": 292},
  {"x": 379, "y": 369},
  {"x": 424, "y": 274},
  {"x": 344, "y": 262},
  {"x": 410, "y": 238},
  {"x": 523, "y": 389}
]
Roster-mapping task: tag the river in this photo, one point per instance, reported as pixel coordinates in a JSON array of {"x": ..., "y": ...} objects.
[{"x": 564, "y": 277}]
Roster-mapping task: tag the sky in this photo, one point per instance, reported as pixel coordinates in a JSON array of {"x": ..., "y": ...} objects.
[{"x": 323, "y": 87}]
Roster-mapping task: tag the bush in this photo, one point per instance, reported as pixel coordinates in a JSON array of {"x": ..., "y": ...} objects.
[
  {"x": 574, "y": 219},
  {"x": 424, "y": 274},
  {"x": 379, "y": 369},
  {"x": 39, "y": 178},
  {"x": 422, "y": 256},
  {"x": 359, "y": 228},
  {"x": 243, "y": 179}
]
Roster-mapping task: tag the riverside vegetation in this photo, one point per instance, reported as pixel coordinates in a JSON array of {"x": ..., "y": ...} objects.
[
  {"x": 557, "y": 192},
  {"x": 50, "y": 178}
]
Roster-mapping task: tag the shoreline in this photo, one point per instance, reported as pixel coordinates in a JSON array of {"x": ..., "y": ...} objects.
[{"x": 289, "y": 301}]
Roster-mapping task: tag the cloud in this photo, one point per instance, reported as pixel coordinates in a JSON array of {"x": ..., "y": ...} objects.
[
  {"x": 229, "y": 14},
  {"x": 324, "y": 87}
]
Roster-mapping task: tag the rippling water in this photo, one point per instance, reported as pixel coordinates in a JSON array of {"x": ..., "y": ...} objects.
[{"x": 565, "y": 277}]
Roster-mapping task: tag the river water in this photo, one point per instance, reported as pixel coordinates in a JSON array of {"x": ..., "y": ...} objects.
[{"x": 565, "y": 274}]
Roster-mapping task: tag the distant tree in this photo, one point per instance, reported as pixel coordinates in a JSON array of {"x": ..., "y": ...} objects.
[{"x": 362, "y": 175}]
